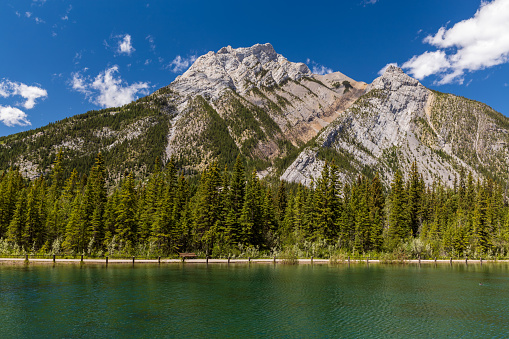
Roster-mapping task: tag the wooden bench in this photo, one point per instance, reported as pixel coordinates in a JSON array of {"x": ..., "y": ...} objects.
[{"x": 187, "y": 255}]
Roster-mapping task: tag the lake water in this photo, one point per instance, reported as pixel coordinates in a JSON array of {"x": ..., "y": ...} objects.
[{"x": 258, "y": 300}]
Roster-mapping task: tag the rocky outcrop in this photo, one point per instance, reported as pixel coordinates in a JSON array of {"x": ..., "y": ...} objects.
[
  {"x": 257, "y": 78},
  {"x": 399, "y": 121},
  {"x": 238, "y": 69}
]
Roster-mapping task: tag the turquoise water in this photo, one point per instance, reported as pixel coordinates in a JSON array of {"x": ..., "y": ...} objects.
[{"x": 398, "y": 301}]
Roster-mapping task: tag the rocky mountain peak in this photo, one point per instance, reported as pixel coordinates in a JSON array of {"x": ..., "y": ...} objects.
[
  {"x": 263, "y": 53},
  {"x": 393, "y": 79},
  {"x": 239, "y": 69}
]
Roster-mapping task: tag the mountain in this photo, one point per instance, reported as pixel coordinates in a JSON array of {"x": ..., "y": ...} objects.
[
  {"x": 283, "y": 119},
  {"x": 247, "y": 100},
  {"x": 399, "y": 121}
]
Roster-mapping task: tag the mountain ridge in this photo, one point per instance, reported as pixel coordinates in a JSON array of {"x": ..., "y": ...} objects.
[{"x": 253, "y": 101}]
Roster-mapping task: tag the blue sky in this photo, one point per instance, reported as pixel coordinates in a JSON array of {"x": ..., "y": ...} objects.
[{"x": 62, "y": 58}]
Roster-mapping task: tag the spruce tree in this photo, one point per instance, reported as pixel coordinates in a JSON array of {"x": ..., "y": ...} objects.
[
  {"x": 125, "y": 226},
  {"x": 377, "y": 217},
  {"x": 399, "y": 228}
]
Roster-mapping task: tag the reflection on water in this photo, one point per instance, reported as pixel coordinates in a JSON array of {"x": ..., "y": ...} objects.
[{"x": 254, "y": 300}]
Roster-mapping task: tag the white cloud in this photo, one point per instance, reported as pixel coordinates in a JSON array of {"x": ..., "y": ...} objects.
[
  {"x": 470, "y": 45},
  {"x": 180, "y": 64},
  {"x": 382, "y": 71},
  {"x": 107, "y": 89},
  {"x": 427, "y": 64},
  {"x": 11, "y": 116},
  {"x": 317, "y": 68},
  {"x": 322, "y": 70},
  {"x": 77, "y": 57},
  {"x": 151, "y": 42},
  {"x": 65, "y": 17},
  {"x": 370, "y": 2},
  {"x": 28, "y": 14},
  {"x": 125, "y": 46},
  {"x": 147, "y": 62},
  {"x": 30, "y": 93},
  {"x": 18, "y": 14},
  {"x": 39, "y": 21}
]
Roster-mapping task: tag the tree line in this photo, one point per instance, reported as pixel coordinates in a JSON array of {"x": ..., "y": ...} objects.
[{"x": 226, "y": 211}]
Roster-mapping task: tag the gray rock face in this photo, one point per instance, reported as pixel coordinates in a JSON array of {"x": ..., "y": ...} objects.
[
  {"x": 305, "y": 169},
  {"x": 238, "y": 69},
  {"x": 386, "y": 128},
  {"x": 299, "y": 102}
]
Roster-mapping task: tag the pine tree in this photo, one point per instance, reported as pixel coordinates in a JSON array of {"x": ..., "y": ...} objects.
[
  {"x": 251, "y": 213},
  {"x": 125, "y": 225},
  {"x": 327, "y": 202},
  {"x": 480, "y": 220},
  {"x": 76, "y": 235},
  {"x": 18, "y": 222},
  {"x": 237, "y": 197},
  {"x": 414, "y": 197},
  {"x": 208, "y": 209},
  {"x": 376, "y": 208},
  {"x": 346, "y": 221},
  {"x": 399, "y": 228},
  {"x": 97, "y": 186},
  {"x": 181, "y": 214},
  {"x": 10, "y": 188},
  {"x": 282, "y": 202},
  {"x": 34, "y": 231}
]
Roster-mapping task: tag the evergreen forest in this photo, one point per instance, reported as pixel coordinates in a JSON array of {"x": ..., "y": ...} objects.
[{"x": 226, "y": 212}]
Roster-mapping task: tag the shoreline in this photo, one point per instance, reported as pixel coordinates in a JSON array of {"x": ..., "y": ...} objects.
[{"x": 307, "y": 261}]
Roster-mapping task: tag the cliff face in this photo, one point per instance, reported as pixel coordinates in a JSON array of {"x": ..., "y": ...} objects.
[
  {"x": 399, "y": 121},
  {"x": 283, "y": 119},
  {"x": 269, "y": 105}
]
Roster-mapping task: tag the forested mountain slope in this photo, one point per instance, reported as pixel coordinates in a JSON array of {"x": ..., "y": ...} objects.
[
  {"x": 249, "y": 101},
  {"x": 284, "y": 120}
]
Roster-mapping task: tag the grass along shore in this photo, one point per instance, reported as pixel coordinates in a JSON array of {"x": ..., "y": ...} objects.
[{"x": 308, "y": 261}]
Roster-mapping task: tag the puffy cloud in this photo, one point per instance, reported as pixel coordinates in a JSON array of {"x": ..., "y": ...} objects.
[
  {"x": 108, "y": 89},
  {"x": 125, "y": 46},
  {"x": 30, "y": 93},
  {"x": 180, "y": 64},
  {"x": 317, "y": 68},
  {"x": 427, "y": 64},
  {"x": 470, "y": 45},
  {"x": 322, "y": 70},
  {"x": 382, "y": 71},
  {"x": 11, "y": 116}
]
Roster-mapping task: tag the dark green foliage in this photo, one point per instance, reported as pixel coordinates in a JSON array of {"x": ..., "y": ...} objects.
[
  {"x": 218, "y": 140},
  {"x": 81, "y": 137},
  {"x": 221, "y": 212},
  {"x": 347, "y": 85}
]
